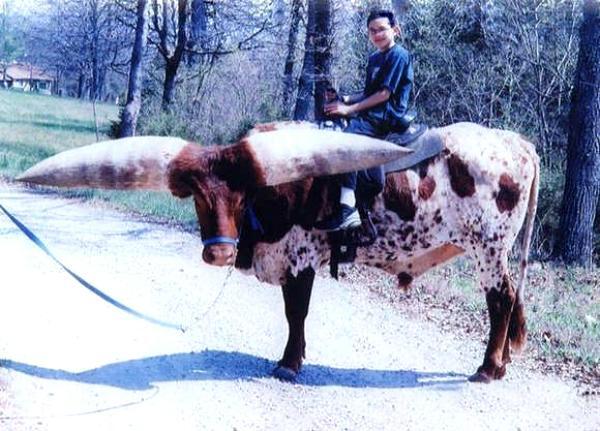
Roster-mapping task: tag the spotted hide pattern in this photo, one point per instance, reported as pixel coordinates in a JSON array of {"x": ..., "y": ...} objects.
[{"x": 473, "y": 198}]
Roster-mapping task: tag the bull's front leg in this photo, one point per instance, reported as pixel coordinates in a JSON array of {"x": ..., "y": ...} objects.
[{"x": 296, "y": 296}]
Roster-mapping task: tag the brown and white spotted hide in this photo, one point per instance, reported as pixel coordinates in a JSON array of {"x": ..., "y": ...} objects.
[{"x": 471, "y": 199}]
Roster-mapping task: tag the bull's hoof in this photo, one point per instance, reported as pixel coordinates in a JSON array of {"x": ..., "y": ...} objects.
[
  {"x": 486, "y": 376},
  {"x": 480, "y": 377},
  {"x": 284, "y": 373}
]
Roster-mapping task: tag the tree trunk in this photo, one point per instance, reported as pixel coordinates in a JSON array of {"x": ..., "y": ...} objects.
[
  {"x": 169, "y": 84},
  {"x": 55, "y": 85},
  {"x": 81, "y": 85},
  {"x": 582, "y": 186},
  {"x": 101, "y": 88},
  {"x": 172, "y": 62},
  {"x": 94, "y": 48},
  {"x": 134, "y": 90},
  {"x": 307, "y": 80},
  {"x": 198, "y": 31},
  {"x": 322, "y": 55},
  {"x": 400, "y": 7},
  {"x": 96, "y": 127},
  {"x": 288, "y": 71}
]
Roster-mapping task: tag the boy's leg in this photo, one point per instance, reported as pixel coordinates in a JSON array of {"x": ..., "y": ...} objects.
[
  {"x": 345, "y": 215},
  {"x": 369, "y": 183},
  {"x": 360, "y": 126}
]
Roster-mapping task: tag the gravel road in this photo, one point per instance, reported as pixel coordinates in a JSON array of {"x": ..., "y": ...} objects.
[{"x": 72, "y": 362}]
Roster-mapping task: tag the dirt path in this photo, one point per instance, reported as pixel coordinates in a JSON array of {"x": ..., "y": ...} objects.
[{"x": 72, "y": 362}]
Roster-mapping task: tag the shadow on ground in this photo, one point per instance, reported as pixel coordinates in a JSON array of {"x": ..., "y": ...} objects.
[{"x": 140, "y": 374}]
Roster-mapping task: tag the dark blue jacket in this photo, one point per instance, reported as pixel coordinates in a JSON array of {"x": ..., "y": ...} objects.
[{"x": 391, "y": 69}]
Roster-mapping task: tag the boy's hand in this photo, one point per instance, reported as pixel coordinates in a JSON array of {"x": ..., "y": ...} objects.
[
  {"x": 330, "y": 95},
  {"x": 338, "y": 108}
]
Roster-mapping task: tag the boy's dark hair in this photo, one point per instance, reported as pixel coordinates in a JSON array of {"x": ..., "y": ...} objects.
[{"x": 382, "y": 13}]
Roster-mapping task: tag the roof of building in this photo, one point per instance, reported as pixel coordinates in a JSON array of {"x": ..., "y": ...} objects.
[{"x": 26, "y": 71}]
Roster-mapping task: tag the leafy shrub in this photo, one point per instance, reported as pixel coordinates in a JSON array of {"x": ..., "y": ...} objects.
[{"x": 164, "y": 124}]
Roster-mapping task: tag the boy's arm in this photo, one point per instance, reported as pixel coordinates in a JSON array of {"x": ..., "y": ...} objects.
[
  {"x": 349, "y": 99},
  {"x": 374, "y": 99}
]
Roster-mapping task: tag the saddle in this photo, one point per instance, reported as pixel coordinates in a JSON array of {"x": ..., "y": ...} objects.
[{"x": 425, "y": 144}]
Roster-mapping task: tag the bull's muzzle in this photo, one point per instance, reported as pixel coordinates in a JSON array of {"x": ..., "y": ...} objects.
[{"x": 219, "y": 254}]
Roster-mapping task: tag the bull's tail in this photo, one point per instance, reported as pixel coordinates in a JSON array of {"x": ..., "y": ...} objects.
[{"x": 517, "y": 330}]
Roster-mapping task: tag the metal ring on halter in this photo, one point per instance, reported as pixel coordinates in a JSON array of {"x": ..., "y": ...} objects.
[{"x": 220, "y": 240}]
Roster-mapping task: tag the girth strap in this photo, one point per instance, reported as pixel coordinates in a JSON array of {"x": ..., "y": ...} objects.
[{"x": 344, "y": 243}]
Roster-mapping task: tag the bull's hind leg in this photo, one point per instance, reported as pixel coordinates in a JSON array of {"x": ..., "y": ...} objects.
[
  {"x": 296, "y": 296},
  {"x": 517, "y": 329},
  {"x": 500, "y": 297}
]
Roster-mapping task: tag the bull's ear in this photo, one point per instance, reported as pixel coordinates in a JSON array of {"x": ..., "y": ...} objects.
[
  {"x": 283, "y": 156},
  {"x": 238, "y": 168},
  {"x": 186, "y": 169},
  {"x": 180, "y": 184},
  {"x": 129, "y": 163}
]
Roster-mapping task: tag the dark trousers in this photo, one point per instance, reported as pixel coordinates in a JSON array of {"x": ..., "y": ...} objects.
[{"x": 369, "y": 182}]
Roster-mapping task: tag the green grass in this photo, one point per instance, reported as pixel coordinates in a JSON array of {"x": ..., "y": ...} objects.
[
  {"x": 562, "y": 306},
  {"x": 34, "y": 127},
  {"x": 564, "y": 312}
]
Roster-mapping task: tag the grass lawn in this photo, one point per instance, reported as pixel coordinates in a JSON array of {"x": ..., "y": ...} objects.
[{"x": 33, "y": 127}]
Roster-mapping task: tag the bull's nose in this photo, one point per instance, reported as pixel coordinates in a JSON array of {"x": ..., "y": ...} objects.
[{"x": 219, "y": 255}]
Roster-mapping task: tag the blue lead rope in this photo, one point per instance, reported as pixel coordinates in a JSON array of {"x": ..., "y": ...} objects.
[{"x": 84, "y": 283}]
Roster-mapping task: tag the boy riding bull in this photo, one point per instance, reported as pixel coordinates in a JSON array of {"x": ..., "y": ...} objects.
[{"x": 376, "y": 112}]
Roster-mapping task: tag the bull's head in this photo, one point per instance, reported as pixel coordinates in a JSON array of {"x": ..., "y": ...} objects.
[{"x": 218, "y": 178}]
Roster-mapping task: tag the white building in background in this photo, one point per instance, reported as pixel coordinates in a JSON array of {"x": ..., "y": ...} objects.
[{"x": 25, "y": 77}]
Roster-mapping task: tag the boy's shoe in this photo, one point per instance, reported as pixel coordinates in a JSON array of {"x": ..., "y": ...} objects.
[{"x": 344, "y": 217}]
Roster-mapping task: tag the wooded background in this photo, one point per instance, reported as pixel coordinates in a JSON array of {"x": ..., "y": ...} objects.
[{"x": 207, "y": 70}]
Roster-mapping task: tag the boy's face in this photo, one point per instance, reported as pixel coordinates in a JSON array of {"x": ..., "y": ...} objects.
[{"x": 381, "y": 33}]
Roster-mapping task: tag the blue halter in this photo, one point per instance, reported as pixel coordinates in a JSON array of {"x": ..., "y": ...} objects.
[
  {"x": 220, "y": 240},
  {"x": 255, "y": 225}
]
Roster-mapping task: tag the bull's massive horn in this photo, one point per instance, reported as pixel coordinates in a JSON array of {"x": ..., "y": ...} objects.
[
  {"x": 288, "y": 155},
  {"x": 128, "y": 163}
]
